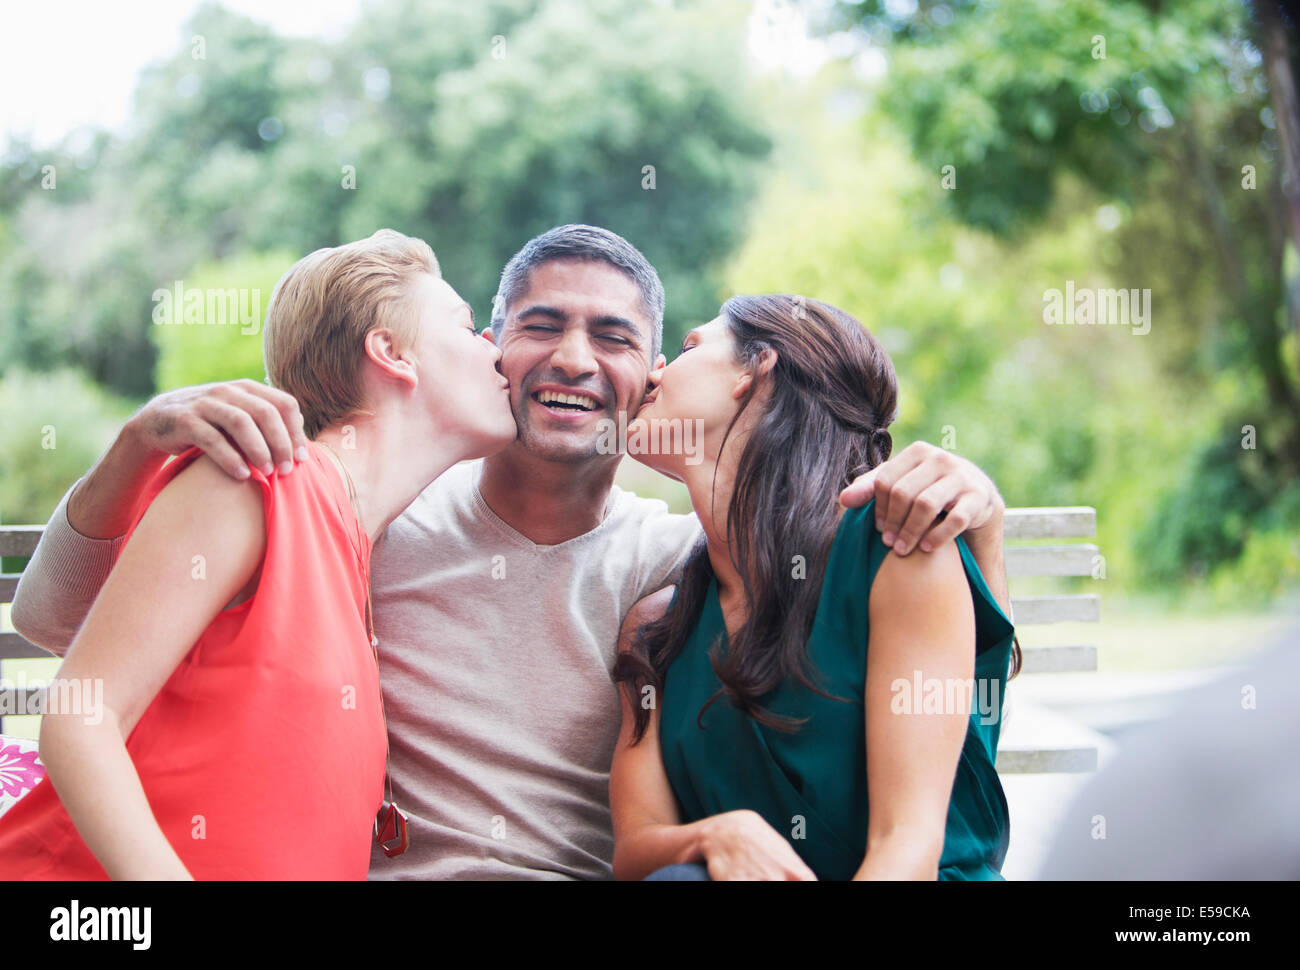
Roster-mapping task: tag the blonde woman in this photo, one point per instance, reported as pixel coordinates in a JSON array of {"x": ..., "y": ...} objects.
[{"x": 241, "y": 735}]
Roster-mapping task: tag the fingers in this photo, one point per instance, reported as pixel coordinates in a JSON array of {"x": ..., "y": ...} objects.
[
  {"x": 861, "y": 490},
  {"x": 899, "y": 493},
  {"x": 888, "y": 475},
  {"x": 242, "y": 429},
  {"x": 957, "y": 521},
  {"x": 213, "y": 443},
  {"x": 925, "y": 509},
  {"x": 264, "y": 423},
  {"x": 744, "y": 846},
  {"x": 926, "y": 483},
  {"x": 280, "y": 419},
  {"x": 796, "y": 870},
  {"x": 782, "y": 861}
]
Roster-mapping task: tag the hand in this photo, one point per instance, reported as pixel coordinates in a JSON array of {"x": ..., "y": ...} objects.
[
  {"x": 223, "y": 420},
  {"x": 741, "y": 845},
  {"x": 927, "y": 496}
]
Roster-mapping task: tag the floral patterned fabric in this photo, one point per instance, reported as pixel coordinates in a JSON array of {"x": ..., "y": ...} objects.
[{"x": 20, "y": 769}]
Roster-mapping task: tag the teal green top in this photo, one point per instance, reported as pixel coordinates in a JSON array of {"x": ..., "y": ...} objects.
[{"x": 819, "y": 773}]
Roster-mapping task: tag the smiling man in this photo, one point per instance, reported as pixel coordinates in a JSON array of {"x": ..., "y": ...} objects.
[{"x": 499, "y": 593}]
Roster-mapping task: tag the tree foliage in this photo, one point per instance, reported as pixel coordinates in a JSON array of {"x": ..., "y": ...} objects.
[
  {"x": 473, "y": 126},
  {"x": 1162, "y": 112}
]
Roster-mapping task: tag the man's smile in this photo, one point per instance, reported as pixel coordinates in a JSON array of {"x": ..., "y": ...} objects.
[{"x": 566, "y": 403}]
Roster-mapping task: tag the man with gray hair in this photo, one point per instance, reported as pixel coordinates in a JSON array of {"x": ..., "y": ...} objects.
[
  {"x": 499, "y": 593},
  {"x": 581, "y": 242}
]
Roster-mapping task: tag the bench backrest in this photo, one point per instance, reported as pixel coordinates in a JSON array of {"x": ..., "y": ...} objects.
[
  {"x": 1026, "y": 525},
  {"x": 1050, "y": 745}
]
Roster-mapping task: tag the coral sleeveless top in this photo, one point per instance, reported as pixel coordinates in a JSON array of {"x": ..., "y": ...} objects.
[{"x": 263, "y": 754}]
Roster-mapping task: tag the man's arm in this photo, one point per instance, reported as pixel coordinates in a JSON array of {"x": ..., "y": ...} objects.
[
  {"x": 60, "y": 583},
  {"x": 82, "y": 538},
  {"x": 914, "y": 487}
]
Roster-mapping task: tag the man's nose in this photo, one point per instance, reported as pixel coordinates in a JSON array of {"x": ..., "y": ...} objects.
[{"x": 573, "y": 356}]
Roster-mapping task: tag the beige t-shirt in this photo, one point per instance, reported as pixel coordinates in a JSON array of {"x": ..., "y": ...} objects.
[{"x": 495, "y": 657}]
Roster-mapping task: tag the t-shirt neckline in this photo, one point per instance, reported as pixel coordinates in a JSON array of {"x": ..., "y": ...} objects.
[{"x": 518, "y": 538}]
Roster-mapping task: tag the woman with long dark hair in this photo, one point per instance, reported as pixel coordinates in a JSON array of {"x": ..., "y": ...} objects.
[{"x": 804, "y": 703}]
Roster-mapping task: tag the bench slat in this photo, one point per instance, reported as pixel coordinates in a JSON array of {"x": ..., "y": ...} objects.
[
  {"x": 1056, "y": 609},
  {"x": 1064, "y": 658},
  {"x": 1036, "y": 739},
  {"x": 1075, "y": 560},
  {"x": 14, "y": 647},
  {"x": 8, "y": 583},
  {"x": 19, "y": 540},
  {"x": 1067, "y": 522},
  {"x": 1036, "y": 761}
]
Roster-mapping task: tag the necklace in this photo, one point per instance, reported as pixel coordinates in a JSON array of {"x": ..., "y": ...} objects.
[{"x": 390, "y": 824}]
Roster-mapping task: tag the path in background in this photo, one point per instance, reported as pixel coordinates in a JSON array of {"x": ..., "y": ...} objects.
[{"x": 1036, "y": 804}]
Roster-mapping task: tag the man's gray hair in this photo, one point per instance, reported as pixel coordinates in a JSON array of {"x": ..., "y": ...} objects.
[{"x": 581, "y": 242}]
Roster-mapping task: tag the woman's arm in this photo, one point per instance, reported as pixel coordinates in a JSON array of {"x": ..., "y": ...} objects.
[
  {"x": 648, "y": 832},
  {"x": 153, "y": 607},
  {"x": 922, "y": 623}
]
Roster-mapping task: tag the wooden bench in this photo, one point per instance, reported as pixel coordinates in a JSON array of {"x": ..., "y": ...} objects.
[
  {"x": 1033, "y": 740},
  {"x": 16, "y": 540}
]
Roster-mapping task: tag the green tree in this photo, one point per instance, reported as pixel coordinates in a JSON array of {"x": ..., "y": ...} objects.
[
  {"x": 473, "y": 126},
  {"x": 1163, "y": 111}
]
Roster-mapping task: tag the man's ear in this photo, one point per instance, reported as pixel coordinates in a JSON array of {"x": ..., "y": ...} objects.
[{"x": 381, "y": 348}]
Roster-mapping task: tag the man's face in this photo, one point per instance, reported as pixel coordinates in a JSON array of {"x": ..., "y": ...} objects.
[{"x": 576, "y": 350}]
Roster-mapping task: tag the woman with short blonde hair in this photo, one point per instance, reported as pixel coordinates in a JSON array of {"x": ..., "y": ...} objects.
[{"x": 241, "y": 734}]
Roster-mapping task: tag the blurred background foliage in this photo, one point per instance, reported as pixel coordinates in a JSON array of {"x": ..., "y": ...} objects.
[{"x": 476, "y": 126}]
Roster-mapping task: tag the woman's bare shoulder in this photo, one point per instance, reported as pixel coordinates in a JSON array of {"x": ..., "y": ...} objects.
[
  {"x": 647, "y": 609},
  {"x": 202, "y": 496}
]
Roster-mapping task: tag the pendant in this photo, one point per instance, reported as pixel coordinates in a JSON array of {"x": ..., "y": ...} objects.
[{"x": 390, "y": 830}]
